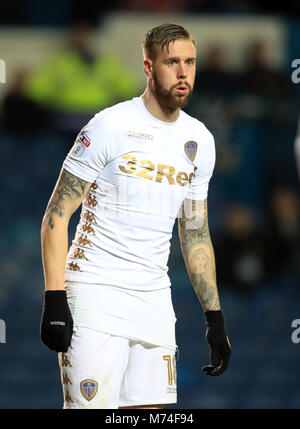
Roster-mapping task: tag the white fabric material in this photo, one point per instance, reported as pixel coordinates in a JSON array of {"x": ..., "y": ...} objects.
[
  {"x": 129, "y": 214},
  {"x": 141, "y": 173},
  {"x": 139, "y": 315},
  {"x": 125, "y": 372}
]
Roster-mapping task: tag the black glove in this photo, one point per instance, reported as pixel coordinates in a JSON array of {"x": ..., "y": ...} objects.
[
  {"x": 219, "y": 343},
  {"x": 57, "y": 321}
]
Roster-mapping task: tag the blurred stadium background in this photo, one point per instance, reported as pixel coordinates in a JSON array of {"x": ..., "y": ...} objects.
[{"x": 65, "y": 60}]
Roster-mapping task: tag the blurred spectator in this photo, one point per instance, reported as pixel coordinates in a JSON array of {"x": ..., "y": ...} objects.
[
  {"x": 222, "y": 6},
  {"x": 283, "y": 233},
  {"x": 160, "y": 6},
  {"x": 20, "y": 114},
  {"x": 77, "y": 82},
  {"x": 275, "y": 92},
  {"x": 215, "y": 87},
  {"x": 240, "y": 250},
  {"x": 260, "y": 77},
  {"x": 213, "y": 78}
]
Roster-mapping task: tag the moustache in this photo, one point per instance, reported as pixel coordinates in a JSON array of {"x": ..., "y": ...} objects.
[{"x": 183, "y": 85}]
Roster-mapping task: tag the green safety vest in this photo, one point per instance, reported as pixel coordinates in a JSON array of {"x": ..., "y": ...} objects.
[{"x": 69, "y": 84}]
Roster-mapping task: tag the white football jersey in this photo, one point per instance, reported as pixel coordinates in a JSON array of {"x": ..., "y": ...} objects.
[{"x": 141, "y": 170}]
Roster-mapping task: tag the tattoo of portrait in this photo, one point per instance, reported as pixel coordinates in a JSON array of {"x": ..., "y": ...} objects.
[
  {"x": 198, "y": 253},
  {"x": 68, "y": 186}
]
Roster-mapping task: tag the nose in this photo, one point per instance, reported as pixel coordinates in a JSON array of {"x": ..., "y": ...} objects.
[{"x": 182, "y": 71}]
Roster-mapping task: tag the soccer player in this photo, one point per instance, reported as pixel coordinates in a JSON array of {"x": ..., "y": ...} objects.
[{"x": 134, "y": 167}]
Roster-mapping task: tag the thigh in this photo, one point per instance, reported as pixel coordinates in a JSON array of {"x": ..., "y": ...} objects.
[
  {"x": 150, "y": 376},
  {"x": 92, "y": 369}
]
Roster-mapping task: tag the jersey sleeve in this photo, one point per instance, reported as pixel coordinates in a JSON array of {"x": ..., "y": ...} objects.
[
  {"x": 205, "y": 163},
  {"x": 91, "y": 150}
]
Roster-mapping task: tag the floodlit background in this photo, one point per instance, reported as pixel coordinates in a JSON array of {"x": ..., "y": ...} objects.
[{"x": 65, "y": 60}]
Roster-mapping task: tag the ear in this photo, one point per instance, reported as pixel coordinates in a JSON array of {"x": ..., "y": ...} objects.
[{"x": 148, "y": 67}]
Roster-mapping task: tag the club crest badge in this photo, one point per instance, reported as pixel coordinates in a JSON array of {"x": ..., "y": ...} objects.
[
  {"x": 88, "y": 388},
  {"x": 190, "y": 149}
]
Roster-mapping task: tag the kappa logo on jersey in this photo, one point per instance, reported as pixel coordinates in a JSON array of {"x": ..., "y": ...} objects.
[
  {"x": 141, "y": 136},
  {"x": 88, "y": 388},
  {"x": 190, "y": 149}
]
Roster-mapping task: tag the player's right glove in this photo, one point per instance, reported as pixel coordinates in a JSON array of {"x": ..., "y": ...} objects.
[{"x": 57, "y": 321}]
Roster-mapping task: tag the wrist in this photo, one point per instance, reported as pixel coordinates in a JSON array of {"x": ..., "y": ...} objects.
[
  {"x": 214, "y": 317},
  {"x": 55, "y": 297},
  {"x": 54, "y": 284}
]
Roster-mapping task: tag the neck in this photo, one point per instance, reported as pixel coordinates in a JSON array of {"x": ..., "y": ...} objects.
[{"x": 163, "y": 113}]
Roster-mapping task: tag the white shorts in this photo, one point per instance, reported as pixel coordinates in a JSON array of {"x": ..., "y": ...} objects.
[
  {"x": 106, "y": 371},
  {"x": 136, "y": 314}
]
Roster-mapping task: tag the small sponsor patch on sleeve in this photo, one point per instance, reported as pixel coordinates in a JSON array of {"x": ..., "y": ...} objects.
[
  {"x": 84, "y": 139},
  {"x": 81, "y": 143},
  {"x": 78, "y": 149}
]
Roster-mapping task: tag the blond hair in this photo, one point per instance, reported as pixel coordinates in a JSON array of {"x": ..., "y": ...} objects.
[{"x": 159, "y": 37}]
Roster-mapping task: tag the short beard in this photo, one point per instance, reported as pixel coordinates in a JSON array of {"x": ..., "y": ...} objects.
[{"x": 166, "y": 99}]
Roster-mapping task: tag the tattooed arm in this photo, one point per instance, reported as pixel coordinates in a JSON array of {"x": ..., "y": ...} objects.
[
  {"x": 198, "y": 252},
  {"x": 67, "y": 196},
  {"x": 199, "y": 258}
]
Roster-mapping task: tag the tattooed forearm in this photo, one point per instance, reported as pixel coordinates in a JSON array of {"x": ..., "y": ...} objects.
[
  {"x": 68, "y": 187},
  {"x": 198, "y": 252}
]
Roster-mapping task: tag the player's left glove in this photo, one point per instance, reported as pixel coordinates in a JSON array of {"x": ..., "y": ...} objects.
[{"x": 219, "y": 344}]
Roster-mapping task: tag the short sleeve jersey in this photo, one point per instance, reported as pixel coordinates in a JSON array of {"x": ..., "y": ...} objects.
[{"x": 141, "y": 170}]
